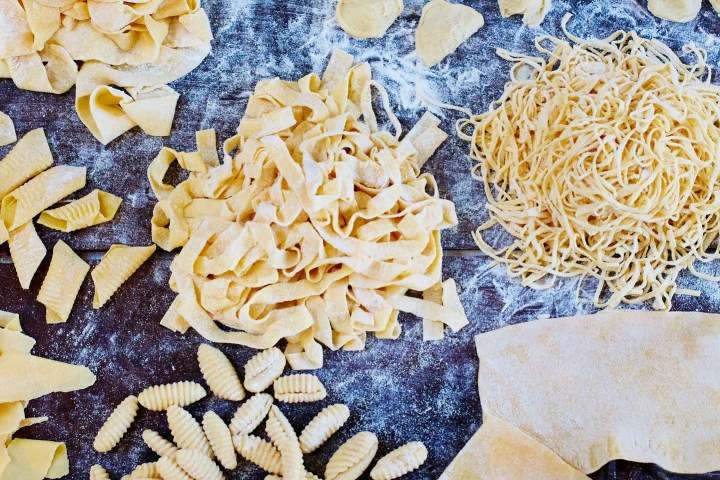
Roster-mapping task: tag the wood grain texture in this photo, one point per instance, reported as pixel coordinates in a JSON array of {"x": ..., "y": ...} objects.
[{"x": 404, "y": 390}]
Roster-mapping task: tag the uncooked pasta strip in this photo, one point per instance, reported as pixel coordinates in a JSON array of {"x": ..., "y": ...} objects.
[
  {"x": 93, "y": 209},
  {"x": 27, "y": 252},
  {"x": 29, "y": 157},
  {"x": 116, "y": 425},
  {"x": 46, "y": 189},
  {"x": 116, "y": 266},
  {"x": 62, "y": 283},
  {"x": 7, "y": 130}
]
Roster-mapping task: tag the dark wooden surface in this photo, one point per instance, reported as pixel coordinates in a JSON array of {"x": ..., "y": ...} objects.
[{"x": 402, "y": 390}]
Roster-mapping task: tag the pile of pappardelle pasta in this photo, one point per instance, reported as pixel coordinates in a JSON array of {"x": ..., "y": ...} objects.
[
  {"x": 313, "y": 228},
  {"x": 139, "y": 46}
]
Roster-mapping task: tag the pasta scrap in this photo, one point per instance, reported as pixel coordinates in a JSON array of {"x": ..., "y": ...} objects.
[
  {"x": 116, "y": 266},
  {"x": 400, "y": 461},
  {"x": 263, "y": 369},
  {"x": 93, "y": 209},
  {"x": 220, "y": 440},
  {"x": 251, "y": 414},
  {"x": 186, "y": 431},
  {"x": 303, "y": 387},
  {"x": 181, "y": 394},
  {"x": 259, "y": 451},
  {"x": 220, "y": 374},
  {"x": 116, "y": 425},
  {"x": 352, "y": 458},
  {"x": 198, "y": 465},
  {"x": 29, "y": 157},
  {"x": 62, "y": 283},
  {"x": 27, "y": 252},
  {"x": 323, "y": 426}
]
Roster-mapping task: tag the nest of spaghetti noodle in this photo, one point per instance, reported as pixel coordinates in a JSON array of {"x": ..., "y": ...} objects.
[{"x": 603, "y": 160}]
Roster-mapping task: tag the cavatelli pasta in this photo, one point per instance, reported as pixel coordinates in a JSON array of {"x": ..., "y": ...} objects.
[
  {"x": 28, "y": 158},
  {"x": 145, "y": 470},
  {"x": 352, "y": 458},
  {"x": 262, "y": 369},
  {"x": 220, "y": 440},
  {"x": 220, "y": 374},
  {"x": 400, "y": 461},
  {"x": 62, "y": 283},
  {"x": 97, "y": 472},
  {"x": 158, "y": 444},
  {"x": 199, "y": 466},
  {"x": 283, "y": 436},
  {"x": 259, "y": 451},
  {"x": 302, "y": 387},
  {"x": 170, "y": 470},
  {"x": 93, "y": 209},
  {"x": 116, "y": 266},
  {"x": 181, "y": 394},
  {"x": 186, "y": 431},
  {"x": 308, "y": 476},
  {"x": 116, "y": 425},
  {"x": 323, "y": 426},
  {"x": 251, "y": 414},
  {"x": 27, "y": 252}
]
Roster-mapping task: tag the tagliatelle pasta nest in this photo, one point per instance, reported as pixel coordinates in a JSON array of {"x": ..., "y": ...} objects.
[{"x": 313, "y": 228}]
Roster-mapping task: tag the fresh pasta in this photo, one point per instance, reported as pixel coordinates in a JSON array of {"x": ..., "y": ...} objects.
[
  {"x": 28, "y": 158},
  {"x": 145, "y": 471},
  {"x": 7, "y": 130},
  {"x": 116, "y": 425},
  {"x": 220, "y": 374},
  {"x": 199, "y": 466},
  {"x": 186, "y": 431},
  {"x": 285, "y": 439},
  {"x": 319, "y": 252},
  {"x": 158, "y": 444},
  {"x": 116, "y": 266},
  {"x": 62, "y": 283},
  {"x": 220, "y": 440},
  {"x": 250, "y": 414},
  {"x": 93, "y": 209},
  {"x": 400, "y": 461},
  {"x": 302, "y": 387},
  {"x": 170, "y": 470},
  {"x": 630, "y": 198},
  {"x": 259, "y": 451},
  {"x": 161, "y": 397},
  {"x": 97, "y": 472},
  {"x": 27, "y": 252},
  {"x": 323, "y": 426},
  {"x": 352, "y": 458},
  {"x": 263, "y": 369}
]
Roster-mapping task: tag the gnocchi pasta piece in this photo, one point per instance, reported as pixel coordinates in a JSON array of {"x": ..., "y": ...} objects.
[
  {"x": 220, "y": 374},
  {"x": 144, "y": 471},
  {"x": 323, "y": 426},
  {"x": 400, "y": 461},
  {"x": 116, "y": 425},
  {"x": 301, "y": 387},
  {"x": 199, "y": 466},
  {"x": 159, "y": 445},
  {"x": 181, "y": 394},
  {"x": 186, "y": 431},
  {"x": 352, "y": 458},
  {"x": 170, "y": 470},
  {"x": 220, "y": 440},
  {"x": 262, "y": 369},
  {"x": 251, "y": 414},
  {"x": 259, "y": 451},
  {"x": 115, "y": 268},
  {"x": 97, "y": 472},
  {"x": 285, "y": 439}
]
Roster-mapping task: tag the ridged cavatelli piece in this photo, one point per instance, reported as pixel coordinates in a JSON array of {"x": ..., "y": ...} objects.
[
  {"x": 116, "y": 425},
  {"x": 323, "y": 426},
  {"x": 352, "y": 458},
  {"x": 116, "y": 266},
  {"x": 285, "y": 439},
  {"x": 97, "y": 472},
  {"x": 259, "y": 451},
  {"x": 199, "y": 466},
  {"x": 186, "y": 431},
  {"x": 399, "y": 462},
  {"x": 220, "y": 374},
  {"x": 145, "y": 470},
  {"x": 301, "y": 387},
  {"x": 181, "y": 394},
  {"x": 158, "y": 444},
  {"x": 308, "y": 476},
  {"x": 262, "y": 369},
  {"x": 220, "y": 440},
  {"x": 170, "y": 470},
  {"x": 251, "y": 414}
]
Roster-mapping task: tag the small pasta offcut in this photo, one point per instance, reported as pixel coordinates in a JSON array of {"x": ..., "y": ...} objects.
[
  {"x": 323, "y": 426},
  {"x": 186, "y": 431},
  {"x": 302, "y": 387},
  {"x": 116, "y": 266},
  {"x": 262, "y": 369},
  {"x": 220, "y": 440},
  {"x": 399, "y": 462},
  {"x": 116, "y": 425},
  {"x": 220, "y": 374},
  {"x": 259, "y": 451},
  {"x": 181, "y": 394},
  {"x": 352, "y": 458},
  {"x": 199, "y": 466},
  {"x": 251, "y": 414},
  {"x": 158, "y": 444}
]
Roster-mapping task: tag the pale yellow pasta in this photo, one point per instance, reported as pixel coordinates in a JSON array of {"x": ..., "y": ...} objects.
[
  {"x": 302, "y": 387},
  {"x": 285, "y": 439},
  {"x": 116, "y": 425},
  {"x": 199, "y": 466},
  {"x": 262, "y": 369},
  {"x": 251, "y": 414},
  {"x": 29, "y": 157},
  {"x": 308, "y": 476},
  {"x": 186, "y": 431},
  {"x": 11, "y": 321},
  {"x": 93, "y": 209},
  {"x": 220, "y": 440},
  {"x": 62, "y": 283},
  {"x": 4, "y": 234},
  {"x": 7, "y": 130},
  {"x": 160, "y": 397},
  {"x": 46, "y": 189},
  {"x": 323, "y": 426},
  {"x": 400, "y": 461},
  {"x": 259, "y": 451},
  {"x": 219, "y": 373},
  {"x": 170, "y": 470},
  {"x": 352, "y": 458},
  {"x": 116, "y": 266},
  {"x": 158, "y": 444},
  {"x": 145, "y": 470},
  {"x": 27, "y": 252},
  {"x": 97, "y": 472}
]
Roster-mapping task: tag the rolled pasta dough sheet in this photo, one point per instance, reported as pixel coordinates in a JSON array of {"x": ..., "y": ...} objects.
[{"x": 443, "y": 27}]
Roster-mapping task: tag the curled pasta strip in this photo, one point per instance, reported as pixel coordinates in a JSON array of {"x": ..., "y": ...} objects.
[
  {"x": 303, "y": 387},
  {"x": 251, "y": 414},
  {"x": 263, "y": 369},
  {"x": 158, "y": 444},
  {"x": 199, "y": 466},
  {"x": 186, "y": 431},
  {"x": 219, "y": 373},
  {"x": 161, "y": 397},
  {"x": 352, "y": 458},
  {"x": 323, "y": 426},
  {"x": 220, "y": 440},
  {"x": 400, "y": 461},
  {"x": 259, "y": 451},
  {"x": 116, "y": 425}
]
